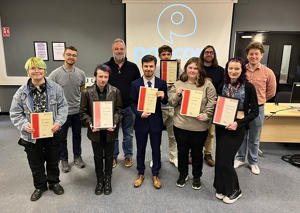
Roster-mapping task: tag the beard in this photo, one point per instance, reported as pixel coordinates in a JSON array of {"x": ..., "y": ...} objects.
[
  {"x": 119, "y": 58},
  {"x": 208, "y": 60}
]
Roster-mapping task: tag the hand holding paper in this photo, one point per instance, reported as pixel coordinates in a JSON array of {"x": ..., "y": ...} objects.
[
  {"x": 111, "y": 129},
  {"x": 55, "y": 127},
  {"x": 145, "y": 114},
  {"x": 232, "y": 126},
  {"x": 29, "y": 129},
  {"x": 160, "y": 94}
]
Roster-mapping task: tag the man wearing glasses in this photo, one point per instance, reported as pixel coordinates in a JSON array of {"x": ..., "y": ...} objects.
[
  {"x": 215, "y": 72},
  {"x": 72, "y": 80}
]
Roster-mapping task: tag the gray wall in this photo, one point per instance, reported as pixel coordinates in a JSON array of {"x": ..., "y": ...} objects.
[
  {"x": 89, "y": 25},
  {"x": 266, "y": 15}
]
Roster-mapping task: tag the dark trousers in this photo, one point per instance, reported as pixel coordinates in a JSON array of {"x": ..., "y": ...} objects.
[
  {"x": 75, "y": 123},
  {"x": 141, "y": 144},
  {"x": 187, "y": 140},
  {"x": 228, "y": 143},
  {"x": 44, "y": 150},
  {"x": 103, "y": 149}
]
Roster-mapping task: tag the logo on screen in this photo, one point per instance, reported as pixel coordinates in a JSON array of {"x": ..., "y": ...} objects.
[{"x": 181, "y": 20}]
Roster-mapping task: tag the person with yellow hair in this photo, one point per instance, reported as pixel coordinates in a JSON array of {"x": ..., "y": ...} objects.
[{"x": 37, "y": 96}]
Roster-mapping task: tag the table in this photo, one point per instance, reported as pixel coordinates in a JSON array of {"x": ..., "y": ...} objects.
[{"x": 283, "y": 126}]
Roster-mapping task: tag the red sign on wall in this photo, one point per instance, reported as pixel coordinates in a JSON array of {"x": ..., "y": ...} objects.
[{"x": 6, "y": 32}]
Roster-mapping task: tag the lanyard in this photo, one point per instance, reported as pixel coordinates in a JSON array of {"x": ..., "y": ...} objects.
[{"x": 229, "y": 88}]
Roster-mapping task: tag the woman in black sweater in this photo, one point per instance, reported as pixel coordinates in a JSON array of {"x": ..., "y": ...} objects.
[{"x": 230, "y": 138}]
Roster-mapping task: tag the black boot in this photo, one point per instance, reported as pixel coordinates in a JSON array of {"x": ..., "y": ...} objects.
[
  {"x": 99, "y": 186},
  {"x": 107, "y": 185},
  {"x": 37, "y": 194}
]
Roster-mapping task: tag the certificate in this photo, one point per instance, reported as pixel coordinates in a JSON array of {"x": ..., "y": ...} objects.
[
  {"x": 225, "y": 111},
  {"x": 169, "y": 71},
  {"x": 41, "y": 50},
  {"x": 147, "y": 99},
  {"x": 58, "y": 49},
  {"x": 103, "y": 114},
  {"x": 42, "y": 124},
  {"x": 191, "y": 103}
]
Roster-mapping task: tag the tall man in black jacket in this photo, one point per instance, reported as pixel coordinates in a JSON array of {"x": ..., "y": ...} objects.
[{"x": 123, "y": 72}]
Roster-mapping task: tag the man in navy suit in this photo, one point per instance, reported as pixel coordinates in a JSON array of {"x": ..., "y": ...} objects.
[{"x": 146, "y": 122}]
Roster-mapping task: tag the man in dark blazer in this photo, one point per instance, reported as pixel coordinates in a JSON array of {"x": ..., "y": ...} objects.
[{"x": 147, "y": 123}]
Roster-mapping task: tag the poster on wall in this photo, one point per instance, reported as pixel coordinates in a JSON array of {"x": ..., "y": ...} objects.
[
  {"x": 58, "y": 49},
  {"x": 41, "y": 50}
]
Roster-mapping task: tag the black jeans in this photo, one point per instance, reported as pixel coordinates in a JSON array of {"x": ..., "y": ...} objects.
[
  {"x": 75, "y": 122},
  {"x": 44, "y": 150},
  {"x": 102, "y": 149},
  {"x": 228, "y": 143},
  {"x": 187, "y": 140}
]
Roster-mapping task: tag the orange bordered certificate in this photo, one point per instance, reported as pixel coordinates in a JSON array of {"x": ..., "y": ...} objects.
[
  {"x": 225, "y": 111},
  {"x": 169, "y": 71},
  {"x": 42, "y": 124},
  {"x": 191, "y": 103},
  {"x": 103, "y": 114},
  {"x": 147, "y": 99}
]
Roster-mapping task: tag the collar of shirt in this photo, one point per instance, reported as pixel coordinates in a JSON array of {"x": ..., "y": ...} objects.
[
  {"x": 257, "y": 68},
  {"x": 33, "y": 89},
  {"x": 146, "y": 81},
  {"x": 66, "y": 70}
]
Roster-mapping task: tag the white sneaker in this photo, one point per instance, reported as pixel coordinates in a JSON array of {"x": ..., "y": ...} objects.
[
  {"x": 255, "y": 169},
  {"x": 151, "y": 163},
  {"x": 238, "y": 163},
  {"x": 220, "y": 196}
]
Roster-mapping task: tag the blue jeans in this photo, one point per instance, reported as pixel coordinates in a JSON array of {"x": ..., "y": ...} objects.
[
  {"x": 75, "y": 122},
  {"x": 127, "y": 128},
  {"x": 251, "y": 140}
]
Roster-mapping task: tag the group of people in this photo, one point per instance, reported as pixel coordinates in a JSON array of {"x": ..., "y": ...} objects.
[{"x": 119, "y": 81}]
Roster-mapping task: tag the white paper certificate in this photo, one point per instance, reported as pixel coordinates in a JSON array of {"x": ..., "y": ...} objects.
[
  {"x": 103, "y": 114},
  {"x": 169, "y": 71},
  {"x": 42, "y": 124},
  {"x": 191, "y": 103},
  {"x": 147, "y": 99},
  {"x": 225, "y": 111}
]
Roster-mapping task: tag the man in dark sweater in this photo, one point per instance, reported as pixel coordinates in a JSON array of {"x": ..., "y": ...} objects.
[
  {"x": 215, "y": 72},
  {"x": 123, "y": 72}
]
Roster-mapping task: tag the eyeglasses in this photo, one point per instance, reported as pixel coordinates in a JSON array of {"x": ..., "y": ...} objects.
[
  {"x": 209, "y": 52},
  {"x": 69, "y": 54}
]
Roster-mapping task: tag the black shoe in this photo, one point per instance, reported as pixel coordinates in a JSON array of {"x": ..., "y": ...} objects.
[
  {"x": 37, "y": 194},
  {"x": 57, "y": 188},
  {"x": 99, "y": 186},
  {"x": 236, "y": 194},
  {"x": 107, "y": 186},
  {"x": 181, "y": 180},
  {"x": 196, "y": 183}
]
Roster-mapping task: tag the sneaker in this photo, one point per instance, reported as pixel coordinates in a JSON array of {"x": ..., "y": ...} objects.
[
  {"x": 233, "y": 197},
  {"x": 238, "y": 163},
  {"x": 37, "y": 194},
  {"x": 151, "y": 163},
  {"x": 128, "y": 162},
  {"x": 181, "y": 181},
  {"x": 255, "y": 169},
  {"x": 209, "y": 160},
  {"x": 57, "y": 188},
  {"x": 65, "y": 166},
  {"x": 114, "y": 162},
  {"x": 196, "y": 183},
  {"x": 220, "y": 196},
  {"x": 79, "y": 162}
]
